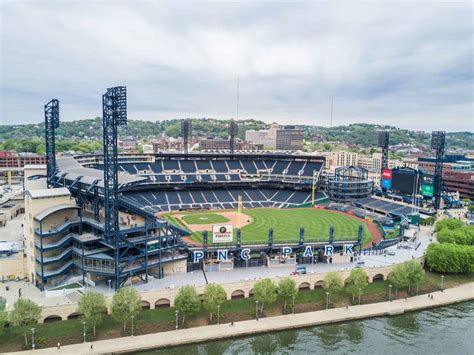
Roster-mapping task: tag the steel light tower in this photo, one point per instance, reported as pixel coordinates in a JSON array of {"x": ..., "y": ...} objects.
[
  {"x": 51, "y": 122},
  {"x": 186, "y": 132},
  {"x": 114, "y": 108},
  {"x": 384, "y": 142},
  {"x": 438, "y": 143},
  {"x": 233, "y": 131}
]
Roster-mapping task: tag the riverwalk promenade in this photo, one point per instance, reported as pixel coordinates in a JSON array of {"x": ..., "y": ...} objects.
[{"x": 263, "y": 325}]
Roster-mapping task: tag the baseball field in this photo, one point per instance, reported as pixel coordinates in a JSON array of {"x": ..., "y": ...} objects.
[{"x": 286, "y": 224}]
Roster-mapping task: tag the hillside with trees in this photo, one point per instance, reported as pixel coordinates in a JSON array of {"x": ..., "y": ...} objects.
[{"x": 84, "y": 135}]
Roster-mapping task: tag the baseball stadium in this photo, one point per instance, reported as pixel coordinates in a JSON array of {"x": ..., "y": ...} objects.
[{"x": 111, "y": 218}]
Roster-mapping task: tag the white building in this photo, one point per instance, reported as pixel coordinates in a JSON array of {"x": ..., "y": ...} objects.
[{"x": 267, "y": 137}]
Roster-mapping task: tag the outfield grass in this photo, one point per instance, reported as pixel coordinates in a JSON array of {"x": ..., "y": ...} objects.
[
  {"x": 204, "y": 218},
  {"x": 286, "y": 225}
]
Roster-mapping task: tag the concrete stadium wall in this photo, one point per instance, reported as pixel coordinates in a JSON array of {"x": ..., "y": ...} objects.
[
  {"x": 166, "y": 297},
  {"x": 14, "y": 265}
]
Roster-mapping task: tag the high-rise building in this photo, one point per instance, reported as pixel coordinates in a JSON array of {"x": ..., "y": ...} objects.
[
  {"x": 267, "y": 137},
  {"x": 289, "y": 138},
  {"x": 343, "y": 158}
]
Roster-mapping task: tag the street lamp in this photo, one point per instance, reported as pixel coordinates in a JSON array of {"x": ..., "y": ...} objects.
[
  {"x": 293, "y": 304},
  {"x": 327, "y": 300},
  {"x": 359, "y": 296},
  {"x": 84, "y": 328},
  {"x": 442, "y": 283},
  {"x": 176, "y": 314},
  {"x": 218, "y": 313},
  {"x": 256, "y": 310},
  {"x": 133, "y": 317},
  {"x": 390, "y": 293},
  {"x": 33, "y": 346}
]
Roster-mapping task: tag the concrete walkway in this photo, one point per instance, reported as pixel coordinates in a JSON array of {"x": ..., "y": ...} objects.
[{"x": 252, "y": 327}]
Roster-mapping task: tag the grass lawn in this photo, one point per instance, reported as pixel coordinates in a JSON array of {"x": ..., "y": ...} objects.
[
  {"x": 70, "y": 286},
  {"x": 157, "y": 320},
  {"x": 286, "y": 225},
  {"x": 204, "y": 218}
]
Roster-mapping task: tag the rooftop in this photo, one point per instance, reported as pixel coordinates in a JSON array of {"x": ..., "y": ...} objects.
[{"x": 41, "y": 193}]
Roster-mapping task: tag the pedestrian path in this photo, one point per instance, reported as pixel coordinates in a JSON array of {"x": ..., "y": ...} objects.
[{"x": 271, "y": 324}]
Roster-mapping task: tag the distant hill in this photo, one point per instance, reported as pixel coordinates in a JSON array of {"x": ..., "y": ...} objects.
[{"x": 359, "y": 134}]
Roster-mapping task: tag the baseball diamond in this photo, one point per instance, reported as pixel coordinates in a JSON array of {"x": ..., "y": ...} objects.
[{"x": 286, "y": 224}]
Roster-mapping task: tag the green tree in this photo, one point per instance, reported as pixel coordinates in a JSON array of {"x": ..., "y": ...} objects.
[
  {"x": 187, "y": 301},
  {"x": 450, "y": 258},
  {"x": 265, "y": 292},
  {"x": 92, "y": 306},
  {"x": 449, "y": 223},
  {"x": 414, "y": 273},
  {"x": 356, "y": 282},
  {"x": 287, "y": 290},
  {"x": 3, "y": 320},
  {"x": 24, "y": 315},
  {"x": 214, "y": 295},
  {"x": 333, "y": 282},
  {"x": 398, "y": 277},
  {"x": 463, "y": 235},
  {"x": 327, "y": 147},
  {"x": 126, "y": 303}
]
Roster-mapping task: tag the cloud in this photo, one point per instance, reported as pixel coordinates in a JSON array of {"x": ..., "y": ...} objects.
[{"x": 406, "y": 64}]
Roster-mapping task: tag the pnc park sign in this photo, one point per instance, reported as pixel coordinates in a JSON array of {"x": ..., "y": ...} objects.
[{"x": 223, "y": 254}]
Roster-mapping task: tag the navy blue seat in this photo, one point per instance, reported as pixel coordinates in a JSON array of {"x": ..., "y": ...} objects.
[
  {"x": 279, "y": 167},
  {"x": 310, "y": 167},
  {"x": 188, "y": 166},
  {"x": 234, "y": 164},
  {"x": 295, "y": 167},
  {"x": 185, "y": 197},
  {"x": 249, "y": 166},
  {"x": 171, "y": 165},
  {"x": 209, "y": 196},
  {"x": 157, "y": 167},
  {"x": 173, "y": 197},
  {"x": 260, "y": 165},
  {"x": 203, "y": 164},
  {"x": 219, "y": 166},
  {"x": 197, "y": 196},
  {"x": 223, "y": 196}
]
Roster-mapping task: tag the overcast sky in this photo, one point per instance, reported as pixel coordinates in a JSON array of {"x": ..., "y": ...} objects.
[{"x": 409, "y": 65}]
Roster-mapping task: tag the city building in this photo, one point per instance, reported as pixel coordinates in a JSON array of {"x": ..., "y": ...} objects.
[
  {"x": 11, "y": 159},
  {"x": 342, "y": 158},
  {"x": 267, "y": 137},
  {"x": 224, "y": 144},
  {"x": 289, "y": 138},
  {"x": 458, "y": 173},
  {"x": 127, "y": 144}
]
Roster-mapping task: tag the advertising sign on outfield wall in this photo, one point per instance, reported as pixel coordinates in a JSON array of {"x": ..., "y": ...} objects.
[{"x": 222, "y": 233}]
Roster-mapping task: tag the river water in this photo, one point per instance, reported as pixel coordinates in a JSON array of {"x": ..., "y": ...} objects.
[{"x": 446, "y": 330}]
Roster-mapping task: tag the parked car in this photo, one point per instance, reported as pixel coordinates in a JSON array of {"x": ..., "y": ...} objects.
[{"x": 300, "y": 270}]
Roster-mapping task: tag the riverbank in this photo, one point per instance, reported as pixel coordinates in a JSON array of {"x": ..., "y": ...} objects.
[{"x": 270, "y": 324}]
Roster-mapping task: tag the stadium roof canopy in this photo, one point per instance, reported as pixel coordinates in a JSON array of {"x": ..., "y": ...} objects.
[{"x": 69, "y": 168}]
